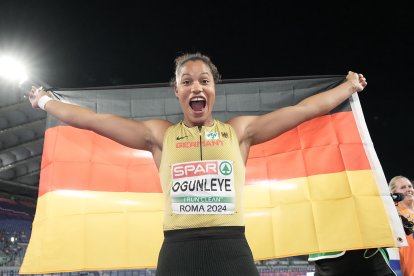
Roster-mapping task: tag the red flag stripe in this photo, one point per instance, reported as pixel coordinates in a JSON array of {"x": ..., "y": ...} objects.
[{"x": 75, "y": 159}]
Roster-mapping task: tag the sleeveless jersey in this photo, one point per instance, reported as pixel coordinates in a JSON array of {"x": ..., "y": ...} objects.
[{"x": 202, "y": 176}]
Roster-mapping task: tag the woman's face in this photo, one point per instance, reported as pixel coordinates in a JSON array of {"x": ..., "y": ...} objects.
[
  {"x": 195, "y": 91},
  {"x": 404, "y": 186}
]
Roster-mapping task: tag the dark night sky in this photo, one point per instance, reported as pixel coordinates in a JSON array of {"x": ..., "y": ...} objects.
[{"x": 100, "y": 43}]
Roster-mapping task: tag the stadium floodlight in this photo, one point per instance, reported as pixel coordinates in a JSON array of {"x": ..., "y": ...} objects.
[
  {"x": 12, "y": 69},
  {"x": 13, "y": 73}
]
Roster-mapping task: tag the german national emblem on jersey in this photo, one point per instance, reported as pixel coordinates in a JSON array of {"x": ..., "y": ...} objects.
[{"x": 224, "y": 135}]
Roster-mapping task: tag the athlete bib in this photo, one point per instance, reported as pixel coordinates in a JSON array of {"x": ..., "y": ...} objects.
[{"x": 203, "y": 187}]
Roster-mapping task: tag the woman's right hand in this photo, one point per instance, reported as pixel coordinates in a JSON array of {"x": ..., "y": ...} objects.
[{"x": 35, "y": 94}]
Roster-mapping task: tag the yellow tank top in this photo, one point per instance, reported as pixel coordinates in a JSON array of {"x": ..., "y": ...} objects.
[{"x": 202, "y": 175}]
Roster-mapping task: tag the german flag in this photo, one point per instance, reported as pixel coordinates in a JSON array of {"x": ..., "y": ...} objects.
[{"x": 318, "y": 187}]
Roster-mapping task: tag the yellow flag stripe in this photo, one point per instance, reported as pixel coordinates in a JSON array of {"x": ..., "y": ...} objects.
[
  {"x": 90, "y": 230},
  {"x": 289, "y": 217}
]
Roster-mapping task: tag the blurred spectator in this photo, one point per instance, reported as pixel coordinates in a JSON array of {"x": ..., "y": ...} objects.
[
  {"x": 11, "y": 247},
  {"x": 15, "y": 229},
  {"x": 401, "y": 184}
]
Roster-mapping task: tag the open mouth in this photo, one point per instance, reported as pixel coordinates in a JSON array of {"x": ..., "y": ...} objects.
[{"x": 197, "y": 103}]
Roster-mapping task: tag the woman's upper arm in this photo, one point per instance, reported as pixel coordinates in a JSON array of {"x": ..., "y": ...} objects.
[
  {"x": 253, "y": 130},
  {"x": 144, "y": 135}
]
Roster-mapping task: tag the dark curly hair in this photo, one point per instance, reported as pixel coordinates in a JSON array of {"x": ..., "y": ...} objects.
[{"x": 181, "y": 60}]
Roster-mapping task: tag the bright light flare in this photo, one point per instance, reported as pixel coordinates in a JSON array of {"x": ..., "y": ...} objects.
[{"x": 12, "y": 69}]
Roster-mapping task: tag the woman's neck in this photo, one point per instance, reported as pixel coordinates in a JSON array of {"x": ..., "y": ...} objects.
[
  {"x": 408, "y": 204},
  {"x": 206, "y": 123}
]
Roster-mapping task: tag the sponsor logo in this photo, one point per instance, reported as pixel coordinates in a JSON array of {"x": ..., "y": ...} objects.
[
  {"x": 181, "y": 137},
  {"x": 225, "y": 168},
  {"x": 195, "y": 169},
  {"x": 212, "y": 135},
  {"x": 225, "y": 135}
]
